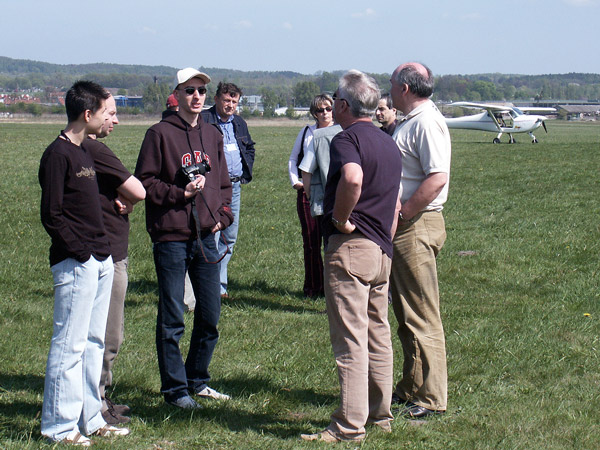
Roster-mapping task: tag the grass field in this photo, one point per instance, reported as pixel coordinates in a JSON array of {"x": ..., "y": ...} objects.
[{"x": 520, "y": 307}]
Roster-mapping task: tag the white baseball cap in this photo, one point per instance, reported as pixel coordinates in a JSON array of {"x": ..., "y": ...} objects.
[{"x": 187, "y": 74}]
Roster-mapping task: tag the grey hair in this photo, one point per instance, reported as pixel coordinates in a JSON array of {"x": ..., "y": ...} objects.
[
  {"x": 417, "y": 83},
  {"x": 360, "y": 91}
]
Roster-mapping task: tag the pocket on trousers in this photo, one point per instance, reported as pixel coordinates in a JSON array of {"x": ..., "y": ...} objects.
[{"x": 363, "y": 261}]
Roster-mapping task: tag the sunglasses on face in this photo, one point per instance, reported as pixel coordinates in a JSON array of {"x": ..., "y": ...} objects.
[
  {"x": 191, "y": 89},
  {"x": 322, "y": 110}
]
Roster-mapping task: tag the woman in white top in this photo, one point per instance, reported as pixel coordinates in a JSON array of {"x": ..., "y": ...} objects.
[{"x": 321, "y": 109}]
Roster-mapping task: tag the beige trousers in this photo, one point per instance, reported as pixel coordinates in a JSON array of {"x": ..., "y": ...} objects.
[
  {"x": 356, "y": 292},
  {"x": 416, "y": 303}
]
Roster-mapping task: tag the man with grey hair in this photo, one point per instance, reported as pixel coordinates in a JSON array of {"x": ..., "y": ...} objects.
[
  {"x": 386, "y": 114},
  {"x": 360, "y": 199},
  {"x": 424, "y": 143}
]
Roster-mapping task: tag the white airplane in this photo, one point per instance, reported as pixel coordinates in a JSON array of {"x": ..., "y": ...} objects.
[{"x": 501, "y": 119}]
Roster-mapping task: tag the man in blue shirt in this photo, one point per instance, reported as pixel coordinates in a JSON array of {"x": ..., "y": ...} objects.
[{"x": 239, "y": 153}]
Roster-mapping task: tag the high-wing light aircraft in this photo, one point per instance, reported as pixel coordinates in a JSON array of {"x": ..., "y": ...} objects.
[{"x": 503, "y": 119}]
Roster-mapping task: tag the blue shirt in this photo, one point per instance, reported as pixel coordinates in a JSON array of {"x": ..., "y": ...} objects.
[{"x": 230, "y": 148}]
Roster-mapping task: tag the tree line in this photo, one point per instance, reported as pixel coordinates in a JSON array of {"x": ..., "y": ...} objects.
[{"x": 283, "y": 88}]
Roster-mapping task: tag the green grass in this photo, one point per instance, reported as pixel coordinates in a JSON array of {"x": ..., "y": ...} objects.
[{"x": 524, "y": 368}]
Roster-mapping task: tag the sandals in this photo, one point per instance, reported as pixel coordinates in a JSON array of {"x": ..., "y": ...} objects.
[
  {"x": 110, "y": 430},
  {"x": 76, "y": 438}
]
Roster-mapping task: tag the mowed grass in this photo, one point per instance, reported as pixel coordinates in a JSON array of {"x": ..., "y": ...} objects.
[{"x": 520, "y": 307}]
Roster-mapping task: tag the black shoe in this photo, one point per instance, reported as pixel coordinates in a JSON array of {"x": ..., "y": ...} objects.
[
  {"x": 122, "y": 410},
  {"x": 398, "y": 401},
  {"x": 413, "y": 411},
  {"x": 111, "y": 417}
]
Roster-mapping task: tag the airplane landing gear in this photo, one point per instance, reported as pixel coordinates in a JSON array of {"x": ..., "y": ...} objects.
[
  {"x": 496, "y": 141},
  {"x": 512, "y": 140},
  {"x": 533, "y": 139}
]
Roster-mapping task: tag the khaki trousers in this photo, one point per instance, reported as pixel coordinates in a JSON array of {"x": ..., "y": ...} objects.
[
  {"x": 416, "y": 303},
  {"x": 114, "y": 326},
  {"x": 356, "y": 292}
]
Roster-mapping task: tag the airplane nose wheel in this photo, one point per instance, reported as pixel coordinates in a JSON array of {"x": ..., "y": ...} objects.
[
  {"x": 512, "y": 140},
  {"x": 535, "y": 141}
]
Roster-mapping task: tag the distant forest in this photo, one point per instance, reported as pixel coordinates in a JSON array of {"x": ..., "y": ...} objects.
[{"x": 286, "y": 88}]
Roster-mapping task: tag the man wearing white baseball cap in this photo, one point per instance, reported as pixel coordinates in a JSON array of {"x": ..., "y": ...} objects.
[{"x": 183, "y": 168}]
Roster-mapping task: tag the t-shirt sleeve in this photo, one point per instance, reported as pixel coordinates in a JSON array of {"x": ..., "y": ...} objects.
[{"x": 432, "y": 143}]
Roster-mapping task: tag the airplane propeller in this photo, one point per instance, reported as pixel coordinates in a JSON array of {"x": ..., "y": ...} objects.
[{"x": 544, "y": 125}]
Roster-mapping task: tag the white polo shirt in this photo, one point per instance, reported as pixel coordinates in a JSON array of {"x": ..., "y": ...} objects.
[{"x": 424, "y": 141}]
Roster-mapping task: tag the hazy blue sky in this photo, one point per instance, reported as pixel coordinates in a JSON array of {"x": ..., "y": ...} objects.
[{"x": 452, "y": 37}]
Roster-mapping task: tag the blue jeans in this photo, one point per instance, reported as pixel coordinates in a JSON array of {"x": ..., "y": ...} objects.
[
  {"x": 71, "y": 388},
  {"x": 172, "y": 260},
  {"x": 230, "y": 234}
]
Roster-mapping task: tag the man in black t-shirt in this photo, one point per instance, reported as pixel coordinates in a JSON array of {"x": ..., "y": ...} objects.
[
  {"x": 360, "y": 200},
  {"x": 119, "y": 191},
  {"x": 82, "y": 269}
]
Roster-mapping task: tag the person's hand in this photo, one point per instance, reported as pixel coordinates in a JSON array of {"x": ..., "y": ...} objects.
[
  {"x": 347, "y": 227},
  {"x": 298, "y": 186},
  {"x": 193, "y": 187},
  {"x": 123, "y": 206},
  {"x": 217, "y": 227}
]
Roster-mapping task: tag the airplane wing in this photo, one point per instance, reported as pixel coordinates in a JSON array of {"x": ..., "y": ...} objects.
[
  {"x": 488, "y": 107},
  {"x": 533, "y": 109},
  {"x": 491, "y": 109}
]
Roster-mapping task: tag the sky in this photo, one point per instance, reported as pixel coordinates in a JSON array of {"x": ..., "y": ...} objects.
[{"x": 452, "y": 37}]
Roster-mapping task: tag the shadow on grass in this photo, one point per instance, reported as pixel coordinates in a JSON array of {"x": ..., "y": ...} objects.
[
  {"x": 260, "y": 295},
  {"x": 149, "y": 406},
  {"x": 286, "y": 421},
  {"x": 30, "y": 383}
]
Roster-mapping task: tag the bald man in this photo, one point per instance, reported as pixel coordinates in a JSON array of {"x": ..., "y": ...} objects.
[{"x": 424, "y": 143}]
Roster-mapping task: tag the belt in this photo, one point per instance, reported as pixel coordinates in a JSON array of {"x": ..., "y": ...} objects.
[{"x": 235, "y": 179}]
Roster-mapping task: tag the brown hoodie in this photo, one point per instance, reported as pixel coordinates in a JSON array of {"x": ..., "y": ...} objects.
[{"x": 167, "y": 147}]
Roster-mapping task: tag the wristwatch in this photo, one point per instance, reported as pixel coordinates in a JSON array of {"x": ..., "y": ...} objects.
[
  {"x": 403, "y": 219},
  {"x": 337, "y": 223}
]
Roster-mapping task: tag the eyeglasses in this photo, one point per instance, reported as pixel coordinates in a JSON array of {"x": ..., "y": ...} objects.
[
  {"x": 336, "y": 96},
  {"x": 322, "y": 110},
  {"x": 191, "y": 89}
]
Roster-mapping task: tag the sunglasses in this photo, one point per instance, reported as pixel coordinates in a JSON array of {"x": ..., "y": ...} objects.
[
  {"x": 191, "y": 89},
  {"x": 322, "y": 110}
]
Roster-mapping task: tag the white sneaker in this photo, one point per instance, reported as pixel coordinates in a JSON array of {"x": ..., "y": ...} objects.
[
  {"x": 110, "y": 430},
  {"x": 76, "y": 438},
  {"x": 208, "y": 392}
]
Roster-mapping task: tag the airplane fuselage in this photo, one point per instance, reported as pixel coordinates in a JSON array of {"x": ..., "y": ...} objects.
[{"x": 484, "y": 122}]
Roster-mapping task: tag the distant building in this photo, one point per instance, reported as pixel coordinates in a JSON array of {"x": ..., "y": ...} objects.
[
  {"x": 579, "y": 112},
  {"x": 129, "y": 101}
]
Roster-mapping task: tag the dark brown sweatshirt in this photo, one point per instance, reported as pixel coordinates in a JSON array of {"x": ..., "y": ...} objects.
[{"x": 169, "y": 145}]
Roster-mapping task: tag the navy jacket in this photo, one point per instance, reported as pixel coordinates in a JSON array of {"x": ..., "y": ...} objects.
[{"x": 242, "y": 136}]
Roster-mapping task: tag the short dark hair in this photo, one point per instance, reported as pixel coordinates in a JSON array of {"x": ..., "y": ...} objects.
[
  {"x": 417, "y": 83},
  {"x": 228, "y": 88},
  {"x": 388, "y": 100},
  {"x": 82, "y": 96},
  {"x": 319, "y": 100}
]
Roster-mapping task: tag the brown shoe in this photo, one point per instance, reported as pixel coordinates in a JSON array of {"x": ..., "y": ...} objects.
[
  {"x": 119, "y": 409},
  {"x": 327, "y": 436},
  {"x": 225, "y": 297},
  {"x": 111, "y": 417},
  {"x": 324, "y": 436}
]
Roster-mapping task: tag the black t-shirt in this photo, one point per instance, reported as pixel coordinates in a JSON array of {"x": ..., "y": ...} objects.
[
  {"x": 111, "y": 173},
  {"x": 379, "y": 158},
  {"x": 70, "y": 205}
]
